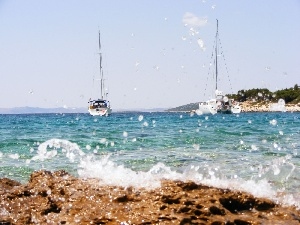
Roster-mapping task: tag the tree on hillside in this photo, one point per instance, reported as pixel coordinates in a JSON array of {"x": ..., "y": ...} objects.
[
  {"x": 256, "y": 94},
  {"x": 290, "y": 95}
]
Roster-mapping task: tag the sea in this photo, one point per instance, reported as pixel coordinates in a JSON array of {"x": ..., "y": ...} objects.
[{"x": 254, "y": 152}]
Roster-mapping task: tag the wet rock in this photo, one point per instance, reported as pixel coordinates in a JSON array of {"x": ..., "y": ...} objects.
[
  {"x": 216, "y": 210},
  {"x": 170, "y": 199},
  {"x": 8, "y": 184},
  {"x": 59, "y": 198}
]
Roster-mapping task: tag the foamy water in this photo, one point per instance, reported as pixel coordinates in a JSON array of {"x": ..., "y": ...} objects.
[{"x": 257, "y": 153}]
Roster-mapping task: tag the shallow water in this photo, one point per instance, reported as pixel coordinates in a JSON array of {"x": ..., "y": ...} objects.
[{"x": 255, "y": 152}]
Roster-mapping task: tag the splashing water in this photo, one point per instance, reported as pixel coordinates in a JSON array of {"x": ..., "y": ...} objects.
[{"x": 140, "y": 149}]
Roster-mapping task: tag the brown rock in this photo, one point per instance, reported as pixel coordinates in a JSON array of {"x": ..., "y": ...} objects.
[{"x": 59, "y": 198}]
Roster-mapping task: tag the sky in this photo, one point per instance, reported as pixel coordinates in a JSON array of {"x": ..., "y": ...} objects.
[{"x": 156, "y": 54}]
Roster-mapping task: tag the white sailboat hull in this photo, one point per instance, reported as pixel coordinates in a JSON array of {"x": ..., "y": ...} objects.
[
  {"x": 229, "y": 108},
  {"x": 99, "y": 107},
  {"x": 100, "y": 111},
  {"x": 208, "y": 107}
]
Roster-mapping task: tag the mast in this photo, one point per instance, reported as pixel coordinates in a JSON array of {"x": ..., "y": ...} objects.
[
  {"x": 217, "y": 57},
  {"x": 100, "y": 67}
]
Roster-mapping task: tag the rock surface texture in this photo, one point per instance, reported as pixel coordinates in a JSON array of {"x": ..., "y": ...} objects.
[{"x": 60, "y": 198}]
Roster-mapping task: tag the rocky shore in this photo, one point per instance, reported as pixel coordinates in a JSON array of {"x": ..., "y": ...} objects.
[
  {"x": 59, "y": 198},
  {"x": 265, "y": 107}
]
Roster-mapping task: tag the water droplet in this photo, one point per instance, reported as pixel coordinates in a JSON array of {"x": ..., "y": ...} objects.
[
  {"x": 273, "y": 122},
  {"x": 156, "y": 67},
  {"x": 276, "y": 170},
  {"x": 201, "y": 44},
  {"x": 196, "y": 146},
  {"x": 102, "y": 140},
  {"x": 254, "y": 148},
  {"x": 267, "y": 68}
]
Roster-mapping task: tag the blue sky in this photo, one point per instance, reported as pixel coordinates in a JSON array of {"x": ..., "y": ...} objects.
[{"x": 155, "y": 53}]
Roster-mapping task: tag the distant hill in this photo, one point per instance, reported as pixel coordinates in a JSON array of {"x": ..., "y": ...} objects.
[
  {"x": 37, "y": 110},
  {"x": 185, "y": 108},
  {"x": 32, "y": 110}
]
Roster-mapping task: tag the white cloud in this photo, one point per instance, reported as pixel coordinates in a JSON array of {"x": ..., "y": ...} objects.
[
  {"x": 189, "y": 19},
  {"x": 201, "y": 44}
]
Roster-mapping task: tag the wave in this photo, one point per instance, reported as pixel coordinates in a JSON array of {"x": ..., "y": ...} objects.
[{"x": 118, "y": 169}]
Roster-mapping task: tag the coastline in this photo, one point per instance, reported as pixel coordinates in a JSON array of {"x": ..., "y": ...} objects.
[
  {"x": 59, "y": 198},
  {"x": 263, "y": 107}
]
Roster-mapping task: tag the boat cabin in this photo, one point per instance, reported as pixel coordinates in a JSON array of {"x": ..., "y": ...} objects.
[{"x": 93, "y": 104}]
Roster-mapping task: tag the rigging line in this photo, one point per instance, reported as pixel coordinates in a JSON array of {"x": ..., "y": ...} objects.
[
  {"x": 223, "y": 56},
  {"x": 209, "y": 67}
]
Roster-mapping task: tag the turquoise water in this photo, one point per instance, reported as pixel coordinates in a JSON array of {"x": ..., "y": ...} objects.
[{"x": 255, "y": 152}]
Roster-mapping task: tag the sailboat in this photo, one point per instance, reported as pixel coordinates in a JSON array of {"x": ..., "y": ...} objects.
[
  {"x": 100, "y": 106},
  {"x": 220, "y": 103}
]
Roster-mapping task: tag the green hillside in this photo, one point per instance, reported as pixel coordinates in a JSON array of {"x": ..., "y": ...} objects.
[
  {"x": 184, "y": 108},
  {"x": 290, "y": 95}
]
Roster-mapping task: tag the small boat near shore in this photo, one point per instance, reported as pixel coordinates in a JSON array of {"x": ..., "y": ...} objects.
[
  {"x": 220, "y": 103},
  {"x": 100, "y": 106}
]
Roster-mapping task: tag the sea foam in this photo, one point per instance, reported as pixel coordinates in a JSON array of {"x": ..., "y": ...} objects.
[{"x": 109, "y": 172}]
